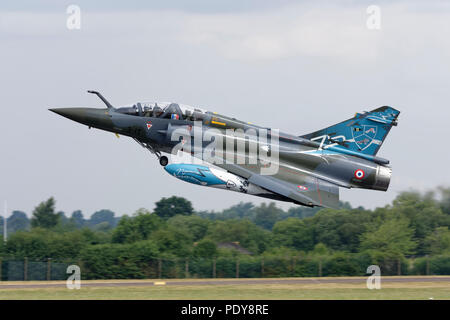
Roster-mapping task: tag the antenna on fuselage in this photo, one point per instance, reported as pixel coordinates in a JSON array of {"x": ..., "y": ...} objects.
[{"x": 109, "y": 105}]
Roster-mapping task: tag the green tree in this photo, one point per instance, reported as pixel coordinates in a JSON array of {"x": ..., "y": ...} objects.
[
  {"x": 77, "y": 219},
  {"x": 293, "y": 233},
  {"x": 18, "y": 221},
  {"x": 170, "y": 207},
  {"x": 320, "y": 249},
  {"x": 339, "y": 229},
  {"x": 194, "y": 225},
  {"x": 439, "y": 241},
  {"x": 241, "y": 210},
  {"x": 103, "y": 216},
  {"x": 40, "y": 243},
  {"x": 393, "y": 236},
  {"x": 244, "y": 231},
  {"x": 423, "y": 212},
  {"x": 301, "y": 212},
  {"x": 267, "y": 215},
  {"x": 171, "y": 240},
  {"x": 119, "y": 261},
  {"x": 445, "y": 199},
  {"x": 136, "y": 228},
  {"x": 95, "y": 237},
  {"x": 205, "y": 249},
  {"x": 44, "y": 215}
]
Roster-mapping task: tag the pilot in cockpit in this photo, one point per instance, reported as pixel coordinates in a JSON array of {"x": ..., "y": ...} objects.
[
  {"x": 157, "y": 111},
  {"x": 147, "y": 112}
]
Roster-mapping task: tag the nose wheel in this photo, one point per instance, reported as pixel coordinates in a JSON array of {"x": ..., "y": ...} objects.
[{"x": 163, "y": 160}]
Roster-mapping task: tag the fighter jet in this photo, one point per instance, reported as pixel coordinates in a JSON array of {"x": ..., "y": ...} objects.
[{"x": 240, "y": 156}]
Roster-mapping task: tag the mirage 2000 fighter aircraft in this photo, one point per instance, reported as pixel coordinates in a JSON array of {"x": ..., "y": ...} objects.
[{"x": 240, "y": 156}]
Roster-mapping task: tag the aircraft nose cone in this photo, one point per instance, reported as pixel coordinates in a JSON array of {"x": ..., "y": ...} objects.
[
  {"x": 76, "y": 114},
  {"x": 97, "y": 118}
]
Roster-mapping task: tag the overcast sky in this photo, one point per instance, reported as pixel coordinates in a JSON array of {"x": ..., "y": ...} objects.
[{"x": 296, "y": 66}]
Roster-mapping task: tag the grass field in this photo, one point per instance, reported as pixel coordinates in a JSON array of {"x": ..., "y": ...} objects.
[{"x": 389, "y": 290}]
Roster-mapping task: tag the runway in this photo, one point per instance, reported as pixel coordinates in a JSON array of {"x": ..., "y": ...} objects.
[{"x": 219, "y": 282}]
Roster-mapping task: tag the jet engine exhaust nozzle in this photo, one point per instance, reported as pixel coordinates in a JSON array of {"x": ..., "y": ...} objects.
[{"x": 382, "y": 178}]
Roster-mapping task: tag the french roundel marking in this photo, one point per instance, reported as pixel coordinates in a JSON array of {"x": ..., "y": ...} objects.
[{"x": 359, "y": 174}]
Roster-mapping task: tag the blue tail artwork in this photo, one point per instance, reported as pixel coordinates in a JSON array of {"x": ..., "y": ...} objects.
[{"x": 364, "y": 133}]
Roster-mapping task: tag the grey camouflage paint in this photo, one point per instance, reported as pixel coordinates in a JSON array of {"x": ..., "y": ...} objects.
[{"x": 308, "y": 172}]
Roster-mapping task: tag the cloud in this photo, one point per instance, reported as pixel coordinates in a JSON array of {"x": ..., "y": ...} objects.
[
  {"x": 284, "y": 32},
  {"x": 329, "y": 31}
]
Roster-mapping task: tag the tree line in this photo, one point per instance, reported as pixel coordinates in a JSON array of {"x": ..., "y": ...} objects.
[{"x": 409, "y": 236}]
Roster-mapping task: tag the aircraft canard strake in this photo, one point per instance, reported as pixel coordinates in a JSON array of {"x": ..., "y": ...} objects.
[{"x": 309, "y": 168}]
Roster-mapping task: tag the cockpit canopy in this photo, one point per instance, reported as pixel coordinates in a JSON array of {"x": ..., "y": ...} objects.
[{"x": 164, "y": 110}]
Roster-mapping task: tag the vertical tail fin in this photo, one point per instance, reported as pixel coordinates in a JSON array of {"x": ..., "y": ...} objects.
[{"x": 365, "y": 132}]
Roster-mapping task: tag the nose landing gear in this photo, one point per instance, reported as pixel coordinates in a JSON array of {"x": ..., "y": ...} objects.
[{"x": 163, "y": 160}]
